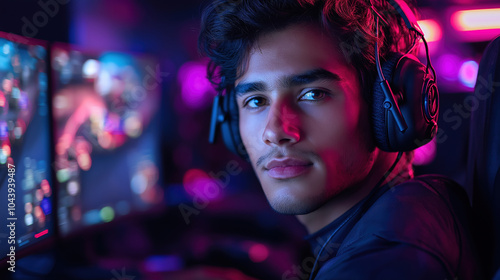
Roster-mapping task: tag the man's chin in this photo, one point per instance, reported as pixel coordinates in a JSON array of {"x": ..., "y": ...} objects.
[{"x": 293, "y": 208}]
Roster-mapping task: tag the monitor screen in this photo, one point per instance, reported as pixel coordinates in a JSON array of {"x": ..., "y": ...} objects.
[
  {"x": 107, "y": 135},
  {"x": 25, "y": 153}
]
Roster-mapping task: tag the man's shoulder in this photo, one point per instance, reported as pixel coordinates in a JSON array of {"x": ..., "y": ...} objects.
[
  {"x": 426, "y": 198},
  {"x": 424, "y": 213},
  {"x": 416, "y": 210},
  {"x": 431, "y": 186}
]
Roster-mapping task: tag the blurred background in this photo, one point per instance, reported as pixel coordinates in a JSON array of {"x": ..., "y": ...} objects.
[{"x": 104, "y": 111}]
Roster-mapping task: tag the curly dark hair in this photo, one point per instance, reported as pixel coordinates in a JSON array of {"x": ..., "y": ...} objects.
[{"x": 229, "y": 29}]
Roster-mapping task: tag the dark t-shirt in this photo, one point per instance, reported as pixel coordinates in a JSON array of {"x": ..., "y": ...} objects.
[{"x": 419, "y": 229}]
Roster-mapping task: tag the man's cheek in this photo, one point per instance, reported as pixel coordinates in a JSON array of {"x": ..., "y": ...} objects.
[{"x": 251, "y": 150}]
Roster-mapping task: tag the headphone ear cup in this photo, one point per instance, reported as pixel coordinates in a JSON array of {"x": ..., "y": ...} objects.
[
  {"x": 431, "y": 101},
  {"x": 417, "y": 96},
  {"x": 230, "y": 127},
  {"x": 379, "y": 114}
]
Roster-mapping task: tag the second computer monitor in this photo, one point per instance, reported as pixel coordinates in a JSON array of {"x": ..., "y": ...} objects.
[{"x": 105, "y": 110}]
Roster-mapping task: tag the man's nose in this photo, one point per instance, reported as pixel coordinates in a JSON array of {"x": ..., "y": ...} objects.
[{"x": 283, "y": 124}]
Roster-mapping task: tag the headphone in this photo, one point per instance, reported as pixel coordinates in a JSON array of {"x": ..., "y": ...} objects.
[{"x": 405, "y": 102}]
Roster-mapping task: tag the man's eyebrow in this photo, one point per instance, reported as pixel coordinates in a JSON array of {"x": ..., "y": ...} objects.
[
  {"x": 309, "y": 77},
  {"x": 289, "y": 81},
  {"x": 249, "y": 87}
]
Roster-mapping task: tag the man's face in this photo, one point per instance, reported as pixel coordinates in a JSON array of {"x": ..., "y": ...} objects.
[{"x": 302, "y": 119}]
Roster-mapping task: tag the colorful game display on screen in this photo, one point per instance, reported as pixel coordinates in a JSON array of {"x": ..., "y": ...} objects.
[
  {"x": 25, "y": 174},
  {"x": 105, "y": 109}
]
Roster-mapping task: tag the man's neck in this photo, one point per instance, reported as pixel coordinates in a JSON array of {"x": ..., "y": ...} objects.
[{"x": 339, "y": 204}]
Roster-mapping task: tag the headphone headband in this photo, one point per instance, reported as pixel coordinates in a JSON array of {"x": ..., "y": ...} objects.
[{"x": 407, "y": 14}]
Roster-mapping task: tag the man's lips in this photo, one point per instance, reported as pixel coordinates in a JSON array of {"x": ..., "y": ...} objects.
[
  {"x": 286, "y": 162},
  {"x": 285, "y": 168}
]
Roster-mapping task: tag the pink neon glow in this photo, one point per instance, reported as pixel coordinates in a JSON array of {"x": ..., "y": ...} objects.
[
  {"x": 196, "y": 89},
  {"x": 42, "y": 233},
  {"x": 191, "y": 177},
  {"x": 425, "y": 154},
  {"x": 431, "y": 29},
  {"x": 448, "y": 65},
  {"x": 468, "y": 73},
  {"x": 258, "y": 253},
  {"x": 198, "y": 184},
  {"x": 478, "y": 19}
]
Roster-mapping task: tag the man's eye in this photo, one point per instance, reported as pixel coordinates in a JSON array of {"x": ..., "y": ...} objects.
[
  {"x": 255, "y": 102},
  {"x": 313, "y": 95}
]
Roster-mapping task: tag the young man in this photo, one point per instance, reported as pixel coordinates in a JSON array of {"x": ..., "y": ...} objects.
[{"x": 298, "y": 77}]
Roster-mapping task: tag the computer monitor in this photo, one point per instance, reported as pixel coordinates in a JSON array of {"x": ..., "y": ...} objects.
[
  {"x": 107, "y": 135},
  {"x": 26, "y": 185}
]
